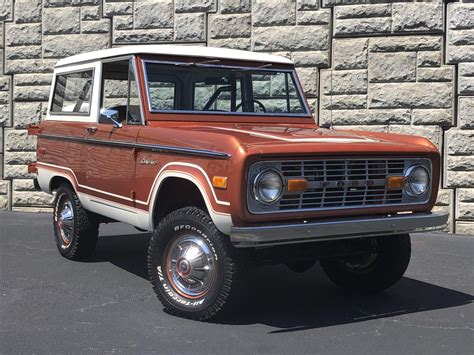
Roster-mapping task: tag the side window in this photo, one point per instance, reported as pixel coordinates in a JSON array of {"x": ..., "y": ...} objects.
[
  {"x": 120, "y": 92},
  {"x": 73, "y": 92}
]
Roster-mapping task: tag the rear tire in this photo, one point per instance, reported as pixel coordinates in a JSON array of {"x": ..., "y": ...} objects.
[
  {"x": 75, "y": 229},
  {"x": 194, "y": 270},
  {"x": 375, "y": 271}
]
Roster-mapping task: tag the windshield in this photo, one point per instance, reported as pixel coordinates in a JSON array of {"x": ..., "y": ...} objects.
[{"x": 198, "y": 88}]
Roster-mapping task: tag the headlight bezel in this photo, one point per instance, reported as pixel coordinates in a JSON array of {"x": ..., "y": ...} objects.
[
  {"x": 408, "y": 183},
  {"x": 255, "y": 185}
]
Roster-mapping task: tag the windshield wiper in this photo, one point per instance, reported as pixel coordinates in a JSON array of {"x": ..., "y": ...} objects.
[{"x": 195, "y": 64}]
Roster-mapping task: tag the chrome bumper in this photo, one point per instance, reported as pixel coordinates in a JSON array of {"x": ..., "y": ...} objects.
[{"x": 334, "y": 229}]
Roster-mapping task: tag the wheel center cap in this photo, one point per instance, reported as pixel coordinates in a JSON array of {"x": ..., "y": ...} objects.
[{"x": 183, "y": 267}]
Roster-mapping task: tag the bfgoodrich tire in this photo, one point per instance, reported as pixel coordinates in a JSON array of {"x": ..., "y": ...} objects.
[
  {"x": 374, "y": 271},
  {"x": 75, "y": 229},
  {"x": 192, "y": 266}
]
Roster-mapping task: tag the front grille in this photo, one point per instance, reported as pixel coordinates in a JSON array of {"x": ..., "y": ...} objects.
[
  {"x": 342, "y": 183},
  {"x": 338, "y": 184}
]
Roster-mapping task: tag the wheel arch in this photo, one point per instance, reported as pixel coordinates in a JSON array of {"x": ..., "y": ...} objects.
[{"x": 170, "y": 182}]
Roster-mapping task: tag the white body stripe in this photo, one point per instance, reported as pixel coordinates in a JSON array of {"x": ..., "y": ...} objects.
[{"x": 131, "y": 215}]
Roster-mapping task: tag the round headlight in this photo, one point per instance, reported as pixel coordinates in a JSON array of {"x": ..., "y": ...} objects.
[
  {"x": 267, "y": 186},
  {"x": 417, "y": 180}
]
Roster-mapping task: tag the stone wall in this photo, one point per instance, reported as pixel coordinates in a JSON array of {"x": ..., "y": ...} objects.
[{"x": 366, "y": 64}]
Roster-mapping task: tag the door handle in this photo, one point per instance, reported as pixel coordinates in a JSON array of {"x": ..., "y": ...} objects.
[{"x": 91, "y": 130}]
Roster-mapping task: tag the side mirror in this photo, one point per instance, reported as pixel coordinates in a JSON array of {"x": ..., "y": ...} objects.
[{"x": 110, "y": 115}]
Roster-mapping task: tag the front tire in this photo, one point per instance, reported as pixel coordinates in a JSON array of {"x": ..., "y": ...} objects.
[
  {"x": 192, "y": 266},
  {"x": 374, "y": 271},
  {"x": 75, "y": 229}
]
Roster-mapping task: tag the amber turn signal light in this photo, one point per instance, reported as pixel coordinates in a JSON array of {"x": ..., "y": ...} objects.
[
  {"x": 297, "y": 185},
  {"x": 219, "y": 182},
  {"x": 395, "y": 182}
]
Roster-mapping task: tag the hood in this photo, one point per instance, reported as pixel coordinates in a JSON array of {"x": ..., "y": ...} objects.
[{"x": 290, "y": 139}]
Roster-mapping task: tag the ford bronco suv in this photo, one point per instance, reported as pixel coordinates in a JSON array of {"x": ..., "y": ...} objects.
[{"x": 216, "y": 153}]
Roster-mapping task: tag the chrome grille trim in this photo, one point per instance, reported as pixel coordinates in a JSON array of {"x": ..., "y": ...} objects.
[{"x": 339, "y": 184}]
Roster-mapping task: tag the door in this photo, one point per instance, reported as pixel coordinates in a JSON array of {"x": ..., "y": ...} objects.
[{"x": 111, "y": 142}]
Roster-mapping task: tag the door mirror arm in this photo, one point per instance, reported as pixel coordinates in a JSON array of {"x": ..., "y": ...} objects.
[{"x": 111, "y": 115}]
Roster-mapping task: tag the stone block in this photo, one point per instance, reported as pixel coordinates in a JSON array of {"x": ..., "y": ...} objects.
[
  {"x": 464, "y": 228},
  {"x": 392, "y": 67},
  {"x": 304, "y": 5},
  {"x": 466, "y": 79},
  {"x": 466, "y": 112},
  {"x": 23, "y": 185},
  {"x": 229, "y": 26},
  {"x": 144, "y": 36},
  {"x": 118, "y": 8},
  {"x": 4, "y": 187},
  {"x": 290, "y": 38},
  {"x": 459, "y": 162},
  {"x": 433, "y": 133},
  {"x": 429, "y": 59},
  {"x": 362, "y": 26},
  {"x": 444, "y": 197},
  {"x": 344, "y": 82},
  {"x": 460, "y": 16},
  {"x": 123, "y": 22},
  {"x": 4, "y": 97},
  {"x": 322, "y": 17},
  {"x": 414, "y": 95},
  {"x": 27, "y": 11},
  {"x": 190, "y": 27},
  {"x": 89, "y": 13},
  {"x": 19, "y": 140},
  {"x": 311, "y": 59},
  {"x": 234, "y": 6},
  {"x": 264, "y": 13},
  {"x": 101, "y": 26},
  {"x": 366, "y": 117},
  {"x": 405, "y": 44},
  {"x": 465, "y": 195},
  {"x": 22, "y": 34},
  {"x": 30, "y": 198},
  {"x": 23, "y": 52},
  {"x": 32, "y": 79},
  {"x": 449, "y": 210},
  {"x": 459, "y": 178},
  {"x": 195, "y": 5},
  {"x": 443, "y": 117},
  {"x": 461, "y": 37},
  {"x": 24, "y": 66},
  {"x": 458, "y": 54},
  {"x": 350, "y": 53},
  {"x": 19, "y": 158},
  {"x": 360, "y": 128},
  {"x": 4, "y": 202},
  {"x": 4, "y": 119},
  {"x": 410, "y": 17},
  {"x": 6, "y": 10},
  {"x": 25, "y": 113},
  {"x": 465, "y": 211},
  {"x": 459, "y": 142},
  {"x": 31, "y": 93},
  {"x": 57, "y": 3},
  {"x": 17, "y": 172},
  {"x": 242, "y": 43},
  {"x": 343, "y": 102},
  {"x": 445, "y": 73},
  {"x": 66, "y": 45},
  {"x": 153, "y": 14},
  {"x": 61, "y": 20},
  {"x": 362, "y": 11},
  {"x": 4, "y": 83},
  {"x": 309, "y": 80}
]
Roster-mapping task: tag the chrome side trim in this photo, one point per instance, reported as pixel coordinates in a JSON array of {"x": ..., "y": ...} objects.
[
  {"x": 145, "y": 146},
  {"x": 336, "y": 229}
]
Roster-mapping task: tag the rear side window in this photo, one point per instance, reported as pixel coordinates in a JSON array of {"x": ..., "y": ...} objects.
[{"x": 73, "y": 92}]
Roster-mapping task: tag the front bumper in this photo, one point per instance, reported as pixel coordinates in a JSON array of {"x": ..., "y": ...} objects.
[{"x": 335, "y": 229}]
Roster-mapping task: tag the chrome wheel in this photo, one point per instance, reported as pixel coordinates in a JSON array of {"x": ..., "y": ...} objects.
[
  {"x": 65, "y": 220},
  {"x": 190, "y": 266}
]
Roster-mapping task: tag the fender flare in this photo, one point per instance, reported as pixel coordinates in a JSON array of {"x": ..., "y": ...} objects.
[{"x": 222, "y": 220}]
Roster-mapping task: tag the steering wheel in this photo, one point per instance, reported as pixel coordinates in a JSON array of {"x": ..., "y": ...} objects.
[{"x": 259, "y": 104}]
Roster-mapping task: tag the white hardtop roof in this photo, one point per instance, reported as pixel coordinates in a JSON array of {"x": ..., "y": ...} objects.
[{"x": 174, "y": 50}]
